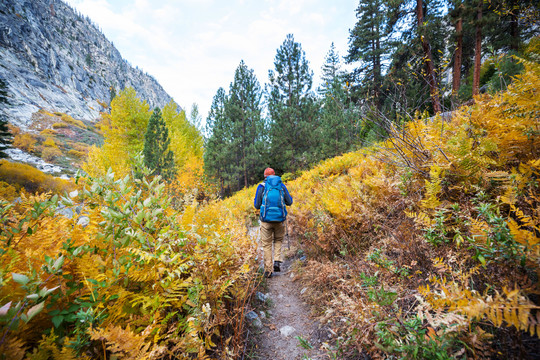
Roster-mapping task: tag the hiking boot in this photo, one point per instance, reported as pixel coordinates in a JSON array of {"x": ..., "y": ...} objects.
[
  {"x": 277, "y": 266},
  {"x": 267, "y": 274}
]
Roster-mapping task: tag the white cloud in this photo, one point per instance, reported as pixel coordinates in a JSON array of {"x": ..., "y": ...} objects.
[{"x": 192, "y": 47}]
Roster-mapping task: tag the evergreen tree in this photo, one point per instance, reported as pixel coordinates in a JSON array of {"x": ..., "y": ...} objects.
[
  {"x": 292, "y": 109},
  {"x": 5, "y": 134},
  {"x": 367, "y": 46},
  {"x": 248, "y": 132},
  {"x": 217, "y": 163},
  {"x": 337, "y": 129},
  {"x": 331, "y": 70},
  {"x": 234, "y": 153},
  {"x": 430, "y": 72},
  {"x": 157, "y": 155},
  {"x": 412, "y": 81}
]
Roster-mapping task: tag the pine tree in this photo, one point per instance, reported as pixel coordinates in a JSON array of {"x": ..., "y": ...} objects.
[
  {"x": 234, "y": 152},
  {"x": 456, "y": 15},
  {"x": 292, "y": 109},
  {"x": 248, "y": 132},
  {"x": 157, "y": 155},
  {"x": 337, "y": 129},
  {"x": 419, "y": 36},
  {"x": 367, "y": 46},
  {"x": 5, "y": 134},
  {"x": 429, "y": 65},
  {"x": 331, "y": 70},
  {"x": 216, "y": 150}
]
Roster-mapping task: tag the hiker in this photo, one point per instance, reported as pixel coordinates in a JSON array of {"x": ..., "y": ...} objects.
[{"x": 271, "y": 198}]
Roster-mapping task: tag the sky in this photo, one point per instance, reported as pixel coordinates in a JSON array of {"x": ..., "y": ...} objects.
[{"x": 193, "y": 47}]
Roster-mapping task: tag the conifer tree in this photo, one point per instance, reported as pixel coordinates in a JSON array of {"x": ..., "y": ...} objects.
[
  {"x": 157, "y": 155},
  {"x": 331, "y": 70},
  {"x": 248, "y": 132},
  {"x": 337, "y": 129},
  {"x": 367, "y": 46},
  {"x": 419, "y": 36},
  {"x": 292, "y": 108},
  {"x": 5, "y": 134},
  {"x": 216, "y": 150},
  {"x": 234, "y": 153}
]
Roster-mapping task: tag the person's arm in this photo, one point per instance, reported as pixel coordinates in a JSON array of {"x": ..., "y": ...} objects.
[
  {"x": 287, "y": 197},
  {"x": 257, "y": 202}
]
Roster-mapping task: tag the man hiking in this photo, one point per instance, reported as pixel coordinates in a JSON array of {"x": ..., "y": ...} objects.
[{"x": 271, "y": 198}]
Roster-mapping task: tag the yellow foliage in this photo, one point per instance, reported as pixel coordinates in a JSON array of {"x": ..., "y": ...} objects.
[
  {"x": 77, "y": 154},
  {"x": 156, "y": 283},
  {"x": 124, "y": 343},
  {"x": 471, "y": 181},
  {"x": 50, "y": 153},
  {"x": 68, "y": 119},
  {"x": 31, "y": 178},
  {"x": 49, "y": 142},
  {"x": 47, "y": 132},
  {"x": 24, "y": 141},
  {"x": 509, "y": 308},
  {"x": 7, "y": 191},
  {"x": 433, "y": 188},
  {"x": 59, "y": 125},
  {"x": 123, "y": 130}
]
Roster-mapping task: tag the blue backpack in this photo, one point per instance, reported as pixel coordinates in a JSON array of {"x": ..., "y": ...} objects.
[{"x": 273, "y": 207}]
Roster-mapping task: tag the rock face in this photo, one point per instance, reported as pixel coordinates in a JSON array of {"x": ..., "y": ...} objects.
[{"x": 55, "y": 59}]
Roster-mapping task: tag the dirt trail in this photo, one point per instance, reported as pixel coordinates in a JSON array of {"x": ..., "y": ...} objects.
[{"x": 288, "y": 318}]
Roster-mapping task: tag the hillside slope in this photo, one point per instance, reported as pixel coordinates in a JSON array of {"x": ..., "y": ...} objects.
[
  {"x": 55, "y": 59},
  {"x": 428, "y": 245}
]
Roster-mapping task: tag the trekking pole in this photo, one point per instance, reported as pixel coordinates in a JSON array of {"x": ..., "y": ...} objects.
[{"x": 288, "y": 237}]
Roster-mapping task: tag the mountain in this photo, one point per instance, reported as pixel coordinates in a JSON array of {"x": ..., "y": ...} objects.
[{"x": 55, "y": 59}]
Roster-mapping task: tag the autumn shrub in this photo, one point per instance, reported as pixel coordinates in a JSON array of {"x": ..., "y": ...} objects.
[
  {"x": 77, "y": 154},
  {"x": 70, "y": 120},
  {"x": 60, "y": 125},
  {"x": 47, "y": 132},
  {"x": 49, "y": 142},
  {"x": 50, "y": 153},
  {"x": 8, "y": 192},
  {"x": 127, "y": 276},
  {"x": 30, "y": 178},
  {"x": 427, "y": 244},
  {"x": 25, "y": 141}
]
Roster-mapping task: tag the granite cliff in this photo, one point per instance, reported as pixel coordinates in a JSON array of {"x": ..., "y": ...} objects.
[{"x": 55, "y": 59}]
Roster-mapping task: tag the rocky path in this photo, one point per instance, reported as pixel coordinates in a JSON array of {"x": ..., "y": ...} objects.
[{"x": 287, "y": 332}]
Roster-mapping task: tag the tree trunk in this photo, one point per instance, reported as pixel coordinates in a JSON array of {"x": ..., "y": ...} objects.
[
  {"x": 456, "y": 76},
  {"x": 478, "y": 51},
  {"x": 514, "y": 26},
  {"x": 428, "y": 59},
  {"x": 377, "y": 68}
]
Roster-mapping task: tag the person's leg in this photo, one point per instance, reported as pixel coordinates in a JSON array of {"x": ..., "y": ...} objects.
[
  {"x": 267, "y": 233},
  {"x": 279, "y": 234}
]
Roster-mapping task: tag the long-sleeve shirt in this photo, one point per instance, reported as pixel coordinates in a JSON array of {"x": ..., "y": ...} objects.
[{"x": 257, "y": 202}]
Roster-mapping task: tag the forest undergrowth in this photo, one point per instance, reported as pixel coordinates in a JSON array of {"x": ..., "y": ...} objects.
[
  {"x": 128, "y": 276},
  {"x": 428, "y": 245},
  {"x": 424, "y": 246}
]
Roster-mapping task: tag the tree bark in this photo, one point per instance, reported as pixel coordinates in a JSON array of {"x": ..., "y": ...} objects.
[
  {"x": 514, "y": 26},
  {"x": 456, "y": 75},
  {"x": 428, "y": 59},
  {"x": 478, "y": 51}
]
